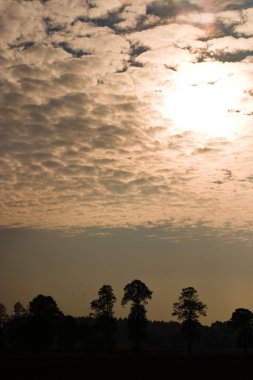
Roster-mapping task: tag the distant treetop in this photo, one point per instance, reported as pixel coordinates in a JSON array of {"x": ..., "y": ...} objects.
[{"x": 44, "y": 306}]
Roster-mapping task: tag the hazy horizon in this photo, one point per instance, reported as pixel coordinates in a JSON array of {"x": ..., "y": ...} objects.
[{"x": 73, "y": 268}]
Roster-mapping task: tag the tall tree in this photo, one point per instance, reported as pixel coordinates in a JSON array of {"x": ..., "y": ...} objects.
[
  {"x": 44, "y": 315},
  {"x": 17, "y": 327},
  {"x": 188, "y": 309},
  {"x": 138, "y": 294},
  {"x": 102, "y": 310},
  {"x": 242, "y": 321}
]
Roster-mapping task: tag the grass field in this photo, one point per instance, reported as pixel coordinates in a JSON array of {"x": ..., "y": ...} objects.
[{"x": 125, "y": 366}]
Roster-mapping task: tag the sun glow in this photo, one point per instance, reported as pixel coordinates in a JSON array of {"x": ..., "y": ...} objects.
[{"x": 205, "y": 98}]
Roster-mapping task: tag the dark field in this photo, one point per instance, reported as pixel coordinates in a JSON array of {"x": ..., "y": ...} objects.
[{"x": 125, "y": 366}]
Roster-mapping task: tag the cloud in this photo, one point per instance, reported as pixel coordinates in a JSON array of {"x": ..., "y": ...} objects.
[
  {"x": 131, "y": 16},
  {"x": 229, "y": 48},
  {"x": 87, "y": 137},
  {"x": 196, "y": 18},
  {"x": 167, "y": 35},
  {"x": 216, "y": 5},
  {"x": 246, "y": 28},
  {"x": 230, "y": 18},
  {"x": 167, "y": 56},
  {"x": 230, "y": 44},
  {"x": 165, "y": 9}
]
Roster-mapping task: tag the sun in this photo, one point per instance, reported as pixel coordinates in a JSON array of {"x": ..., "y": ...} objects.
[{"x": 204, "y": 98}]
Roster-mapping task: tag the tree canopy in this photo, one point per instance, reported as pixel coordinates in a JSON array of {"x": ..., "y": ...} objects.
[
  {"x": 19, "y": 310},
  {"x": 242, "y": 321},
  {"x": 3, "y": 315},
  {"x": 103, "y": 305},
  {"x": 242, "y": 318},
  {"x": 188, "y": 306},
  {"x": 44, "y": 306},
  {"x": 137, "y": 293}
]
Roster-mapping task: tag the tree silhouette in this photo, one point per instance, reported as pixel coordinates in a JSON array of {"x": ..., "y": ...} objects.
[
  {"x": 19, "y": 310},
  {"x": 188, "y": 309},
  {"x": 102, "y": 310},
  {"x": 242, "y": 321},
  {"x": 17, "y": 327},
  {"x": 44, "y": 306},
  {"x": 43, "y": 317},
  {"x": 3, "y": 321},
  {"x": 138, "y": 294},
  {"x": 3, "y": 315}
]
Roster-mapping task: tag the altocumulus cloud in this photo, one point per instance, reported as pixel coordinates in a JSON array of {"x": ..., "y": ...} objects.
[{"x": 84, "y": 139}]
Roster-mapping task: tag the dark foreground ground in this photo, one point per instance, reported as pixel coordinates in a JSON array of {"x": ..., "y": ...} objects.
[{"x": 125, "y": 366}]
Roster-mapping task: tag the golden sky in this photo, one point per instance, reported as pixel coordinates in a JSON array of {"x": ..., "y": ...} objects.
[{"x": 123, "y": 114}]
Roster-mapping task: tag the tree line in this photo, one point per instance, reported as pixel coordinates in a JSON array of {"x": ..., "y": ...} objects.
[{"x": 42, "y": 325}]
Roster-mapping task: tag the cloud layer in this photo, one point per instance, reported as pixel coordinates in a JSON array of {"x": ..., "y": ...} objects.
[{"x": 86, "y": 138}]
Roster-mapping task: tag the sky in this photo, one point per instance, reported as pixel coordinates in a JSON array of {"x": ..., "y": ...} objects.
[{"x": 126, "y": 151}]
